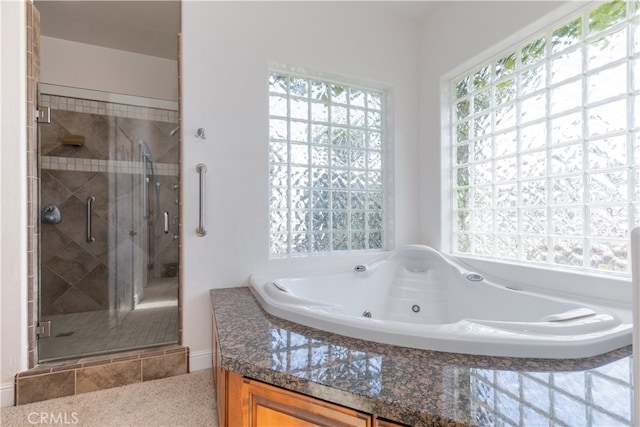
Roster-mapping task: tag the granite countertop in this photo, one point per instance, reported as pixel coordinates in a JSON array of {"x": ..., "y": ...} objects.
[{"x": 420, "y": 387}]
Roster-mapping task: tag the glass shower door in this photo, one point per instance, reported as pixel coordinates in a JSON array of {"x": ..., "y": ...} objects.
[{"x": 99, "y": 210}]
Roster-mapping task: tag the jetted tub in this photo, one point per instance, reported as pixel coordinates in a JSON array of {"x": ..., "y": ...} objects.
[{"x": 416, "y": 297}]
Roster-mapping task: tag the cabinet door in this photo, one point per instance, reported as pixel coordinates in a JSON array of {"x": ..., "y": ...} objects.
[{"x": 269, "y": 406}]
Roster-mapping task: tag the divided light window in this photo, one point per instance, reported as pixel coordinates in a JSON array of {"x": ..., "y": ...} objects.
[
  {"x": 326, "y": 166},
  {"x": 546, "y": 145}
]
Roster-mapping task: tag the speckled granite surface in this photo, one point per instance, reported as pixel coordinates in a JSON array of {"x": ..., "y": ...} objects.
[{"x": 419, "y": 387}]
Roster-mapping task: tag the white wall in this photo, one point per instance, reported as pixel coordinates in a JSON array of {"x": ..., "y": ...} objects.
[
  {"x": 227, "y": 47},
  {"x": 13, "y": 193},
  {"x": 81, "y": 65}
]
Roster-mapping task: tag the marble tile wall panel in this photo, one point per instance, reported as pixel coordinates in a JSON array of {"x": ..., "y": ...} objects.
[
  {"x": 47, "y": 386},
  {"x": 168, "y": 365},
  {"x": 108, "y": 376}
]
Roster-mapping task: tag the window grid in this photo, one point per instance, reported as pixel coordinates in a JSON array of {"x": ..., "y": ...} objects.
[
  {"x": 326, "y": 166},
  {"x": 516, "y": 120}
]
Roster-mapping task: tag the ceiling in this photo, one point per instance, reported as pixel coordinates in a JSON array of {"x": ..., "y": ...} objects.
[
  {"x": 146, "y": 27},
  {"x": 150, "y": 27}
]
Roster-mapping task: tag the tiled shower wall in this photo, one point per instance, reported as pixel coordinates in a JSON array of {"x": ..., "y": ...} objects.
[{"x": 78, "y": 276}]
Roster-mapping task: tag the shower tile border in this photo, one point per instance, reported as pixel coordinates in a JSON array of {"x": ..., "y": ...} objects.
[
  {"x": 110, "y": 166},
  {"x": 80, "y": 105},
  {"x": 62, "y": 377}
]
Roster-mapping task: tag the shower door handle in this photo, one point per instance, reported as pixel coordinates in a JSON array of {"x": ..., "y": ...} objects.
[
  {"x": 166, "y": 222},
  {"x": 201, "y": 231},
  {"x": 90, "y": 200},
  {"x": 145, "y": 181}
]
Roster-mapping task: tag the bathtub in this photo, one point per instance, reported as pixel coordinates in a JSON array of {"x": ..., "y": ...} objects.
[{"x": 416, "y": 297}]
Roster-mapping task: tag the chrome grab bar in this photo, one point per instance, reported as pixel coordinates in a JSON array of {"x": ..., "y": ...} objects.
[
  {"x": 166, "y": 222},
  {"x": 145, "y": 182},
  {"x": 201, "y": 231},
  {"x": 90, "y": 238}
]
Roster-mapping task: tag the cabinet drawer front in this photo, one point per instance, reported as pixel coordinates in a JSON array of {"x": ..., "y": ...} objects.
[{"x": 272, "y": 406}]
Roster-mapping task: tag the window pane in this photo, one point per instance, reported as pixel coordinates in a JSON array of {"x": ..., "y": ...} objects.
[
  {"x": 609, "y": 256},
  {"x": 463, "y": 87},
  {"x": 567, "y": 35},
  {"x": 567, "y": 159},
  {"x": 278, "y": 83},
  {"x": 325, "y": 155},
  {"x": 567, "y": 190},
  {"x": 549, "y": 164},
  {"x": 533, "y": 108},
  {"x": 610, "y": 221},
  {"x": 566, "y": 66},
  {"x": 533, "y": 136},
  {"x": 507, "y": 247},
  {"x": 505, "y": 91},
  {"x": 482, "y": 149},
  {"x": 566, "y": 97},
  {"x": 608, "y": 187},
  {"x": 568, "y": 252},
  {"x": 506, "y": 143},
  {"x": 566, "y": 128},
  {"x": 506, "y": 65},
  {"x": 567, "y": 221},
  {"x": 534, "y": 51},
  {"x": 607, "y": 83},
  {"x": 506, "y": 117},
  {"x": 507, "y": 221},
  {"x": 535, "y": 249},
  {"x": 319, "y": 112},
  {"x": 482, "y": 197},
  {"x": 278, "y": 129},
  {"x": 608, "y": 152},
  {"x": 533, "y": 80},
  {"x": 482, "y": 78},
  {"x": 534, "y": 193},
  {"x": 534, "y": 221},
  {"x": 608, "y": 118},
  {"x": 607, "y": 49},
  {"x": 533, "y": 164},
  {"x": 506, "y": 169},
  {"x": 607, "y": 15}
]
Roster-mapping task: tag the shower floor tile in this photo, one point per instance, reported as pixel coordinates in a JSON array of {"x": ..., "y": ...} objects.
[{"x": 153, "y": 322}]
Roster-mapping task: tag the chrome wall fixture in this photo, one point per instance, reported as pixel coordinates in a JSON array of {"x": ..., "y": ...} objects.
[
  {"x": 90, "y": 238},
  {"x": 201, "y": 231}
]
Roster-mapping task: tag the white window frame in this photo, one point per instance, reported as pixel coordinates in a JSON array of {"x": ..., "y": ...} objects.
[{"x": 548, "y": 277}]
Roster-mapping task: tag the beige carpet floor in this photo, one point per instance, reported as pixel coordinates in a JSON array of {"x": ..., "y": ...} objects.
[{"x": 184, "y": 400}]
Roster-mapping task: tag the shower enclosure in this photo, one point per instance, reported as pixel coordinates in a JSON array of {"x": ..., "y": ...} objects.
[{"x": 109, "y": 191}]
